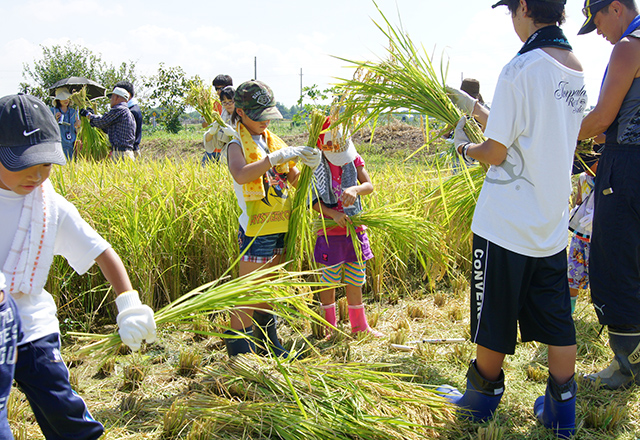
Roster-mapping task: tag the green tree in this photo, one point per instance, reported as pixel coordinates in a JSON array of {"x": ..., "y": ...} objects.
[
  {"x": 168, "y": 89},
  {"x": 316, "y": 96},
  {"x": 59, "y": 62}
]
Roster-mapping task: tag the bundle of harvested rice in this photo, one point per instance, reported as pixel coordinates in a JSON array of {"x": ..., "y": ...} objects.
[
  {"x": 203, "y": 99},
  {"x": 271, "y": 285},
  {"x": 95, "y": 144},
  {"x": 316, "y": 399},
  {"x": 298, "y": 239}
]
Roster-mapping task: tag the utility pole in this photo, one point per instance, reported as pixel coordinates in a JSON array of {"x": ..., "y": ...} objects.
[
  {"x": 301, "y": 82},
  {"x": 255, "y": 68}
]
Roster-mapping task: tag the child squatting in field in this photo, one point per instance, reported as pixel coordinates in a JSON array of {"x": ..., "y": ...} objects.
[
  {"x": 341, "y": 178},
  {"x": 521, "y": 217},
  {"x": 38, "y": 223},
  {"x": 262, "y": 167}
]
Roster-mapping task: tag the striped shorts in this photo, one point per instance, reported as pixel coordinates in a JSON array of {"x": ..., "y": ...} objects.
[{"x": 352, "y": 274}]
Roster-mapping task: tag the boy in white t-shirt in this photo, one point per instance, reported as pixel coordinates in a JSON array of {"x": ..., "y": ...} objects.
[
  {"x": 38, "y": 223},
  {"x": 519, "y": 260}
]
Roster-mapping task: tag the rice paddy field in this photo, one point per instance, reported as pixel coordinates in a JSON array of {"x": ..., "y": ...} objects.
[{"x": 174, "y": 224}]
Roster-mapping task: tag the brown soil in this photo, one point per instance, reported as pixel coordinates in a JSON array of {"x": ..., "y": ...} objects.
[{"x": 396, "y": 136}]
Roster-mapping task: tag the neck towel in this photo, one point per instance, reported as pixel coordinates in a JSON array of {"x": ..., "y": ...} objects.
[
  {"x": 323, "y": 182},
  {"x": 254, "y": 190},
  {"x": 548, "y": 36},
  {"x": 31, "y": 255}
]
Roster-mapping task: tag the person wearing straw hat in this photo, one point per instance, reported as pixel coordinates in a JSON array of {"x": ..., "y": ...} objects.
[
  {"x": 68, "y": 121},
  {"x": 118, "y": 123},
  {"x": 520, "y": 234},
  {"x": 38, "y": 223},
  {"x": 615, "y": 241},
  {"x": 262, "y": 167}
]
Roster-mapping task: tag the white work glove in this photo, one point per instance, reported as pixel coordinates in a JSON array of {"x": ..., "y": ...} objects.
[
  {"x": 284, "y": 155},
  {"x": 135, "y": 320},
  {"x": 228, "y": 131},
  {"x": 460, "y": 140},
  {"x": 587, "y": 219},
  {"x": 462, "y": 100},
  {"x": 311, "y": 157}
]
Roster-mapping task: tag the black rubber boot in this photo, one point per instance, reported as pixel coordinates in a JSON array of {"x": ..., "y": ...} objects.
[
  {"x": 236, "y": 346},
  {"x": 557, "y": 408},
  {"x": 266, "y": 336},
  {"x": 481, "y": 398},
  {"x": 624, "y": 369}
]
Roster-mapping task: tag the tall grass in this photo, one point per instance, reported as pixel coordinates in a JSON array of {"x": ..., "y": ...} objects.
[{"x": 174, "y": 224}]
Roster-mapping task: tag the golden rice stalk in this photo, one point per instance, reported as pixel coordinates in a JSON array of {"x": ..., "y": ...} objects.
[
  {"x": 271, "y": 285},
  {"x": 298, "y": 236},
  {"x": 202, "y": 98},
  {"x": 95, "y": 143},
  {"x": 405, "y": 80},
  {"x": 406, "y": 230},
  {"x": 316, "y": 399}
]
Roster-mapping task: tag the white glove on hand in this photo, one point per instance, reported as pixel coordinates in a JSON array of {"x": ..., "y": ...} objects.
[
  {"x": 587, "y": 219},
  {"x": 460, "y": 138},
  {"x": 228, "y": 131},
  {"x": 462, "y": 100},
  {"x": 311, "y": 157},
  {"x": 135, "y": 320},
  {"x": 284, "y": 155}
]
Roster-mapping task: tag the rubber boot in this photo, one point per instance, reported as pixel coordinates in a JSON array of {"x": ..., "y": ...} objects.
[
  {"x": 359, "y": 323},
  {"x": 236, "y": 346},
  {"x": 480, "y": 400},
  {"x": 624, "y": 369},
  {"x": 266, "y": 335},
  {"x": 329, "y": 316},
  {"x": 557, "y": 408}
]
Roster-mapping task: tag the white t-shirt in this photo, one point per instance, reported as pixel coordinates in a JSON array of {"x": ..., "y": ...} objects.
[
  {"x": 536, "y": 113},
  {"x": 76, "y": 241},
  {"x": 244, "y": 217}
]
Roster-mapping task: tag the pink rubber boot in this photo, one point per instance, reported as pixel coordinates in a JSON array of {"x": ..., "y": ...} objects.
[
  {"x": 358, "y": 321},
  {"x": 330, "y": 317}
]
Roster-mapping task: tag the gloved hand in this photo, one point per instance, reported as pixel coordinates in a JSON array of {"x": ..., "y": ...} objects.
[
  {"x": 284, "y": 155},
  {"x": 460, "y": 140},
  {"x": 311, "y": 157},
  {"x": 228, "y": 131},
  {"x": 462, "y": 100},
  {"x": 85, "y": 112},
  {"x": 135, "y": 320},
  {"x": 587, "y": 219}
]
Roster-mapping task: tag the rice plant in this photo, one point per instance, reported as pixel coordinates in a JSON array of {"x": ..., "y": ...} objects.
[
  {"x": 95, "y": 144},
  {"x": 202, "y": 98}
]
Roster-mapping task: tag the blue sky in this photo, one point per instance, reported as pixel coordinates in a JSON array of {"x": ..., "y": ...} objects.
[{"x": 210, "y": 37}]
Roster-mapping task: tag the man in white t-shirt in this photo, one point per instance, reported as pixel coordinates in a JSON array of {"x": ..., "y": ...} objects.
[
  {"x": 38, "y": 223},
  {"x": 519, "y": 273}
]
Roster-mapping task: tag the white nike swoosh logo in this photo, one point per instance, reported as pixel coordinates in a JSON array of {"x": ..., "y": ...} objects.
[{"x": 30, "y": 133}]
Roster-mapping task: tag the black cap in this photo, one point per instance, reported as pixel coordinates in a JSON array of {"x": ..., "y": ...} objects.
[
  {"x": 29, "y": 134},
  {"x": 506, "y": 2},
  {"x": 589, "y": 10}
]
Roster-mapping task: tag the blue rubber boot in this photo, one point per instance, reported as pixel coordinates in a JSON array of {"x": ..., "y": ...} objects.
[
  {"x": 236, "y": 346},
  {"x": 481, "y": 398},
  {"x": 624, "y": 369},
  {"x": 266, "y": 336},
  {"x": 557, "y": 408}
]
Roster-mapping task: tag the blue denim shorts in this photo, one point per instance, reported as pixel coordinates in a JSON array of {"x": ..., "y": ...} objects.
[{"x": 263, "y": 249}]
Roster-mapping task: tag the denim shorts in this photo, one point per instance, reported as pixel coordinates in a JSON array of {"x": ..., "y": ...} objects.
[{"x": 263, "y": 249}]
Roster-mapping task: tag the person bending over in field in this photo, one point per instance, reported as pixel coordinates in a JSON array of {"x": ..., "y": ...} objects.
[{"x": 520, "y": 235}]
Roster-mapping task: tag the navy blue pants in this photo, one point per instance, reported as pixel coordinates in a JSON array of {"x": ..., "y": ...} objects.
[
  {"x": 614, "y": 266},
  {"x": 9, "y": 337},
  {"x": 43, "y": 377}
]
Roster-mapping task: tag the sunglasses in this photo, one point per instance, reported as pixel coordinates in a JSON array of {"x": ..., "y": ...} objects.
[{"x": 587, "y": 9}]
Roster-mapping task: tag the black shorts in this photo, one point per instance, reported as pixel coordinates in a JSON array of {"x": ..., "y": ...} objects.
[
  {"x": 614, "y": 266},
  {"x": 507, "y": 288}
]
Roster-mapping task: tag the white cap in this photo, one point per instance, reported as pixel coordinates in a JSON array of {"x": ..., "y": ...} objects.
[{"x": 120, "y": 92}]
